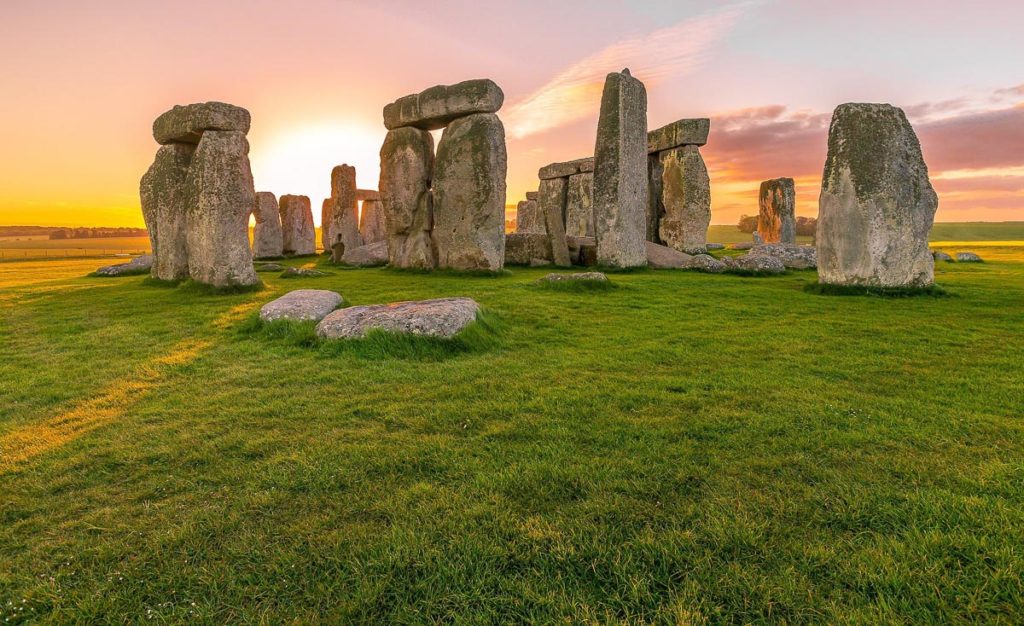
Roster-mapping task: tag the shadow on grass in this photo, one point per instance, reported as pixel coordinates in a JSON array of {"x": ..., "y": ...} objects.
[
  {"x": 480, "y": 336},
  {"x": 825, "y": 289},
  {"x": 200, "y": 289},
  {"x": 450, "y": 273},
  {"x": 137, "y": 272},
  {"x": 575, "y": 286}
]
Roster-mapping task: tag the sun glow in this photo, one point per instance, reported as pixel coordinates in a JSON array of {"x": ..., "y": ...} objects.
[{"x": 299, "y": 160}]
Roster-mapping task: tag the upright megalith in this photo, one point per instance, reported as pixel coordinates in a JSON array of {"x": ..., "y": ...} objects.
[
  {"x": 528, "y": 216},
  {"x": 298, "y": 230},
  {"x": 198, "y": 194},
  {"x": 165, "y": 196},
  {"x": 344, "y": 209},
  {"x": 776, "y": 218},
  {"x": 620, "y": 173},
  {"x": 447, "y": 211},
  {"x": 679, "y": 205},
  {"x": 406, "y": 169},
  {"x": 553, "y": 193},
  {"x": 576, "y": 210},
  {"x": 267, "y": 239},
  {"x": 877, "y": 203},
  {"x": 469, "y": 194},
  {"x": 371, "y": 217}
]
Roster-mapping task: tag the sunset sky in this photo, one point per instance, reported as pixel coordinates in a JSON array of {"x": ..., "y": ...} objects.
[{"x": 83, "y": 81}]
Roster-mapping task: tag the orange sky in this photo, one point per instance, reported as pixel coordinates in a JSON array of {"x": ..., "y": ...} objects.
[{"x": 83, "y": 82}]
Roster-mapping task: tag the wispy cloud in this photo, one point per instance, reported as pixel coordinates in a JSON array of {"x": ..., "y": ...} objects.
[{"x": 576, "y": 91}]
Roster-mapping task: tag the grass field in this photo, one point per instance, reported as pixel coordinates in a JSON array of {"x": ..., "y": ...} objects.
[{"x": 684, "y": 448}]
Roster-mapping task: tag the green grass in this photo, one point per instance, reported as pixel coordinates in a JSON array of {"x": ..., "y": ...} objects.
[{"x": 685, "y": 448}]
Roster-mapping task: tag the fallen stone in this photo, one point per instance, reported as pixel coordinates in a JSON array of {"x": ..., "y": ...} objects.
[
  {"x": 715, "y": 246},
  {"x": 687, "y": 132},
  {"x": 406, "y": 168},
  {"x": 139, "y": 265},
  {"x": 566, "y": 169},
  {"x": 303, "y": 272},
  {"x": 663, "y": 257},
  {"x": 222, "y": 196},
  {"x": 527, "y": 249},
  {"x": 939, "y": 255},
  {"x": 685, "y": 200},
  {"x": 792, "y": 256},
  {"x": 754, "y": 264},
  {"x": 371, "y": 223},
  {"x": 553, "y": 194},
  {"x": 444, "y": 317},
  {"x": 579, "y": 206},
  {"x": 776, "y": 202},
  {"x": 580, "y": 276},
  {"x": 877, "y": 204},
  {"x": 186, "y": 124},
  {"x": 267, "y": 237},
  {"x": 164, "y": 194},
  {"x": 269, "y": 267},
  {"x": 968, "y": 257},
  {"x": 369, "y": 255},
  {"x": 301, "y": 305},
  {"x": 741, "y": 246},
  {"x": 620, "y": 173},
  {"x": 469, "y": 194},
  {"x": 438, "y": 106},
  {"x": 297, "y": 228},
  {"x": 705, "y": 263}
]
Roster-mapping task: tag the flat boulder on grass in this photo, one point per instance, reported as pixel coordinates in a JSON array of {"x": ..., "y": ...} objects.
[
  {"x": 754, "y": 264},
  {"x": 592, "y": 277},
  {"x": 269, "y": 267},
  {"x": 303, "y": 272},
  {"x": 792, "y": 256},
  {"x": 968, "y": 257},
  {"x": 370, "y": 255},
  {"x": 139, "y": 265},
  {"x": 939, "y": 255},
  {"x": 301, "y": 305},
  {"x": 715, "y": 246},
  {"x": 442, "y": 317},
  {"x": 742, "y": 246},
  {"x": 704, "y": 263},
  {"x": 664, "y": 257}
]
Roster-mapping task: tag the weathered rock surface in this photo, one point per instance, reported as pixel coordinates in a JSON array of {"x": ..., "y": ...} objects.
[
  {"x": 267, "y": 238},
  {"x": 527, "y": 249},
  {"x": 186, "y": 124},
  {"x": 141, "y": 264},
  {"x": 371, "y": 222},
  {"x": 406, "y": 169},
  {"x": 443, "y": 317},
  {"x": 792, "y": 256},
  {"x": 579, "y": 206},
  {"x": 686, "y": 200},
  {"x": 754, "y": 264},
  {"x": 968, "y": 257},
  {"x": 220, "y": 200},
  {"x": 705, "y": 263},
  {"x": 301, "y": 305},
  {"x": 655, "y": 206},
  {"x": 776, "y": 219},
  {"x": 532, "y": 195},
  {"x": 369, "y": 255},
  {"x": 741, "y": 246},
  {"x": 344, "y": 214},
  {"x": 687, "y": 132},
  {"x": 715, "y": 246},
  {"x": 566, "y": 169},
  {"x": 363, "y": 195},
  {"x": 663, "y": 257},
  {"x": 297, "y": 228},
  {"x": 529, "y": 218},
  {"x": 620, "y": 173},
  {"x": 939, "y": 255},
  {"x": 580, "y": 276},
  {"x": 165, "y": 197},
  {"x": 582, "y": 250},
  {"x": 877, "y": 203},
  {"x": 269, "y": 267},
  {"x": 469, "y": 194},
  {"x": 303, "y": 272},
  {"x": 436, "y": 107},
  {"x": 553, "y": 196}
]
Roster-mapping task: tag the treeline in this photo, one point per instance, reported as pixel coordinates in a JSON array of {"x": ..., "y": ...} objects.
[
  {"x": 97, "y": 233},
  {"x": 804, "y": 225}
]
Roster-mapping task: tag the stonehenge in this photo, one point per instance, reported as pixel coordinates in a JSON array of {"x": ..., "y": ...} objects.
[
  {"x": 877, "y": 203},
  {"x": 298, "y": 232},
  {"x": 679, "y": 206},
  {"x": 620, "y": 173},
  {"x": 371, "y": 217},
  {"x": 528, "y": 217},
  {"x": 267, "y": 238},
  {"x": 341, "y": 211},
  {"x": 441, "y": 317},
  {"x": 776, "y": 218},
  {"x": 197, "y": 196},
  {"x": 445, "y": 210}
]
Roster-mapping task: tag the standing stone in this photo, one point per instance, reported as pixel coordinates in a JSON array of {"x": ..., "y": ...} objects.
[
  {"x": 469, "y": 194},
  {"x": 579, "y": 206},
  {"x": 620, "y": 173},
  {"x": 406, "y": 169},
  {"x": 877, "y": 203},
  {"x": 165, "y": 196},
  {"x": 371, "y": 222},
  {"x": 326, "y": 236},
  {"x": 776, "y": 219},
  {"x": 553, "y": 194},
  {"x": 222, "y": 197},
  {"x": 686, "y": 197},
  {"x": 345, "y": 209},
  {"x": 655, "y": 206},
  {"x": 299, "y": 233},
  {"x": 528, "y": 217},
  {"x": 266, "y": 235}
]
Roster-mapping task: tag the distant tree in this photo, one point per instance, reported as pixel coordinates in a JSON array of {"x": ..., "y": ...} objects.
[
  {"x": 59, "y": 234},
  {"x": 748, "y": 223},
  {"x": 806, "y": 226}
]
